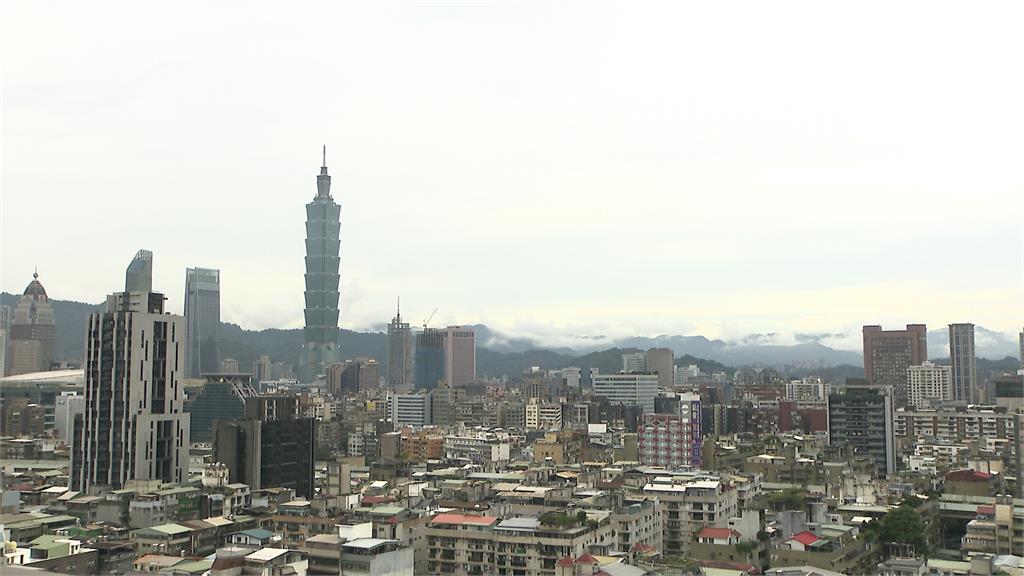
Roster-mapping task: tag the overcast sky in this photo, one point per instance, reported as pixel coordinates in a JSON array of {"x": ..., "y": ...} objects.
[{"x": 549, "y": 169}]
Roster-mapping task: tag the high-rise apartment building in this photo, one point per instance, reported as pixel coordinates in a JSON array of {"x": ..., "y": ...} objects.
[
  {"x": 262, "y": 370},
  {"x": 32, "y": 340},
  {"x": 443, "y": 402},
  {"x": 459, "y": 356},
  {"x": 271, "y": 447},
  {"x": 572, "y": 376},
  {"x": 928, "y": 384},
  {"x": 202, "y": 321},
  {"x": 963, "y": 361},
  {"x": 353, "y": 377},
  {"x": 534, "y": 383},
  {"x": 430, "y": 359},
  {"x": 809, "y": 389},
  {"x": 888, "y": 354},
  {"x": 399, "y": 364},
  {"x": 5, "y": 330},
  {"x": 634, "y": 389},
  {"x": 1020, "y": 339},
  {"x": 860, "y": 416},
  {"x": 134, "y": 425},
  {"x": 663, "y": 362},
  {"x": 323, "y": 249},
  {"x": 671, "y": 436}
]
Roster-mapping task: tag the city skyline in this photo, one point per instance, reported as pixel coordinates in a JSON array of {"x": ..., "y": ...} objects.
[{"x": 772, "y": 146}]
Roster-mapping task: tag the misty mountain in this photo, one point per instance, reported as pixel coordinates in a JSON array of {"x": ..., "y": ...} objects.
[
  {"x": 987, "y": 343},
  {"x": 755, "y": 350},
  {"x": 499, "y": 354}
]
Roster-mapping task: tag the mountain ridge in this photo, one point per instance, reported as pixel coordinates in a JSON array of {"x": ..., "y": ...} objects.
[{"x": 500, "y": 354}]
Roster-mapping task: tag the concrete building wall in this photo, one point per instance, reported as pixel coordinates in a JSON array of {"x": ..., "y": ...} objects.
[
  {"x": 662, "y": 361},
  {"x": 460, "y": 355},
  {"x": 134, "y": 426}
]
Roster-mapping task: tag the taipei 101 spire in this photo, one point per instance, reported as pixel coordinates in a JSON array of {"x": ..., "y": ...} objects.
[{"x": 323, "y": 244}]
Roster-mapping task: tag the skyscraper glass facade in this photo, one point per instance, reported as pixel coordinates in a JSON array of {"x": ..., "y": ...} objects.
[
  {"x": 323, "y": 245},
  {"x": 429, "y": 359},
  {"x": 202, "y": 321}
]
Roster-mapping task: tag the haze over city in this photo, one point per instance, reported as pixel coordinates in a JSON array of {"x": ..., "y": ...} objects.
[
  {"x": 553, "y": 171},
  {"x": 511, "y": 288}
]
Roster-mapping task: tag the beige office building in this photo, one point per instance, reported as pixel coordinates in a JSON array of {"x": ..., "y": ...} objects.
[{"x": 459, "y": 355}]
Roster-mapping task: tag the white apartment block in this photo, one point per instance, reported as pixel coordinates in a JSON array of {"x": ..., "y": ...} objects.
[
  {"x": 928, "y": 383},
  {"x": 810, "y": 389},
  {"x": 410, "y": 410},
  {"x": 691, "y": 502}
]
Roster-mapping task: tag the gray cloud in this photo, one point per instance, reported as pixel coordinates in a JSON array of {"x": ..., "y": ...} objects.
[{"x": 802, "y": 337}]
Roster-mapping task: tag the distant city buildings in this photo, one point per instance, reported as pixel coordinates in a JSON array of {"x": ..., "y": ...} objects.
[
  {"x": 32, "y": 338},
  {"x": 202, "y": 321},
  {"x": 634, "y": 362},
  {"x": 888, "y": 354},
  {"x": 5, "y": 330},
  {"x": 929, "y": 383},
  {"x": 323, "y": 245},
  {"x": 1020, "y": 340},
  {"x": 459, "y": 356},
  {"x": 682, "y": 375},
  {"x": 430, "y": 358},
  {"x": 572, "y": 376},
  {"x": 353, "y": 376},
  {"x": 262, "y": 369},
  {"x": 400, "y": 355},
  {"x": 134, "y": 426},
  {"x": 964, "y": 363}
]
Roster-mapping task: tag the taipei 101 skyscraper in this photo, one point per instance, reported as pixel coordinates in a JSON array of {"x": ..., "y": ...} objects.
[{"x": 323, "y": 243}]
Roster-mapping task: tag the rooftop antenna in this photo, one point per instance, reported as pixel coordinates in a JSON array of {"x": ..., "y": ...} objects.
[{"x": 325, "y": 156}]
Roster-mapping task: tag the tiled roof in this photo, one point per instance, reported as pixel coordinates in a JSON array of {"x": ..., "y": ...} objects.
[
  {"x": 805, "y": 538},
  {"x": 717, "y": 533},
  {"x": 968, "y": 476}
]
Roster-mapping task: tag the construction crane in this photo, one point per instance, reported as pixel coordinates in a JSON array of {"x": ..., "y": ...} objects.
[{"x": 429, "y": 318}]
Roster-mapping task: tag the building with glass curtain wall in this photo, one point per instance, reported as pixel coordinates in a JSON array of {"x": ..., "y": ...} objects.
[
  {"x": 323, "y": 246},
  {"x": 202, "y": 321}
]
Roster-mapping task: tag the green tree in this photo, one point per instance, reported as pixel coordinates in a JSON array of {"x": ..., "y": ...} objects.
[
  {"x": 788, "y": 499},
  {"x": 904, "y": 526}
]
